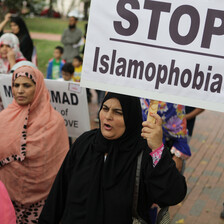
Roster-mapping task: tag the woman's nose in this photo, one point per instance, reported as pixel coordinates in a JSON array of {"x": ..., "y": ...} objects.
[
  {"x": 20, "y": 89},
  {"x": 109, "y": 114}
]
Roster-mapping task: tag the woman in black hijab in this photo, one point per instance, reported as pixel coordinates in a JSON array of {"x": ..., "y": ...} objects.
[
  {"x": 19, "y": 28},
  {"x": 95, "y": 184}
]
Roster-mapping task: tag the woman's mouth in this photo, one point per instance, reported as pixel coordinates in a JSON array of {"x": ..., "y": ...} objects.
[
  {"x": 20, "y": 98},
  {"x": 107, "y": 127}
]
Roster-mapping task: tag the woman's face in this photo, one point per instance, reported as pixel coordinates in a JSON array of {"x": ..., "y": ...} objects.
[
  {"x": 4, "y": 49},
  {"x": 14, "y": 28},
  {"x": 23, "y": 90},
  {"x": 111, "y": 119}
]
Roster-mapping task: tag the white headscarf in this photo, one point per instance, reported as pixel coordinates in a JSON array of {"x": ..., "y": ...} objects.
[{"x": 13, "y": 41}]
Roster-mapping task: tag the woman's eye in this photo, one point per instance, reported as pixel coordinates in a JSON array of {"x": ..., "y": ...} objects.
[
  {"x": 27, "y": 85},
  {"x": 105, "y": 108},
  {"x": 119, "y": 112},
  {"x": 16, "y": 85}
]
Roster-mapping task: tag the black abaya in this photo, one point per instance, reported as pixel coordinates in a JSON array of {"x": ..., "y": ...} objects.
[{"x": 89, "y": 190}]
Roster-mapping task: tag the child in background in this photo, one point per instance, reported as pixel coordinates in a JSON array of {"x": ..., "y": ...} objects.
[
  {"x": 77, "y": 63},
  {"x": 55, "y": 64},
  {"x": 67, "y": 75},
  {"x": 67, "y": 72}
]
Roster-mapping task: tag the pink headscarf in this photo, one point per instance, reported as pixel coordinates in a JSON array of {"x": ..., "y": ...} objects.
[
  {"x": 13, "y": 41},
  {"x": 34, "y": 142},
  {"x": 7, "y": 212}
]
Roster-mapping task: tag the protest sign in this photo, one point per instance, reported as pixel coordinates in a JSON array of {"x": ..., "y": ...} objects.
[
  {"x": 163, "y": 50},
  {"x": 68, "y": 98}
]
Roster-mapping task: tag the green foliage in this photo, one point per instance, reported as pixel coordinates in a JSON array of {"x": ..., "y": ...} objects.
[
  {"x": 12, "y": 5},
  {"x": 36, "y": 6}
]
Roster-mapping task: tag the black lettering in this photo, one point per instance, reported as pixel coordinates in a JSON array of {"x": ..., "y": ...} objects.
[
  {"x": 96, "y": 59},
  {"x": 55, "y": 97},
  {"x": 173, "y": 70},
  {"x": 174, "y": 21},
  {"x": 198, "y": 75},
  {"x": 210, "y": 28},
  {"x": 104, "y": 63},
  {"x": 112, "y": 62},
  {"x": 65, "y": 98},
  {"x": 161, "y": 69},
  {"x": 208, "y": 78},
  {"x": 120, "y": 69},
  {"x": 216, "y": 86},
  {"x": 74, "y": 99},
  {"x": 8, "y": 91},
  {"x": 183, "y": 77},
  {"x": 137, "y": 65},
  {"x": 72, "y": 123},
  {"x": 157, "y": 8},
  {"x": 127, "y": 15},
  {"x": 153, "y": 68}
]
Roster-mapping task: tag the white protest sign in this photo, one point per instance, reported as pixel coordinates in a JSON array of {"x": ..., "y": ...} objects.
[
  {"x": 68, "y": 98},
  {"x": 164, "y": 50}
]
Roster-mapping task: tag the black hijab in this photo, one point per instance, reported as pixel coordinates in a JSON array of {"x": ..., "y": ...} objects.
[{"x": 25, "y": 41}]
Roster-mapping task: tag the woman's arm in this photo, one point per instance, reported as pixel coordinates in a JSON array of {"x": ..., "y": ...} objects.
[
  {"x": 5, "y": 21},
  {"x": 194, "y": 113},
  {"x": 165, "y": 185}
]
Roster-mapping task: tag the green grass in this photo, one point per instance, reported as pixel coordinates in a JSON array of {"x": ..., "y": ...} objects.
[
  {"x": 50, "y": 25},
  {"x": 45, "y": 49}
]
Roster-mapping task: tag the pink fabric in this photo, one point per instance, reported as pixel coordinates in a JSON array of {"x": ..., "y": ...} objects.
[
  {"x": 29, "y": 174},
  {"x": 156, "y": 155},
  {"x": 7, "y": 212}
]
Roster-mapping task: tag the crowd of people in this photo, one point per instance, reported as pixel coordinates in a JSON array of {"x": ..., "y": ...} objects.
[{"x": 46, "y": 178}]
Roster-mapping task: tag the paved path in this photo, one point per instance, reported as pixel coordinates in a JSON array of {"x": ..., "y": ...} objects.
[
  {"x": 204, "y": 170},
  {"x": 204, "y": 173},
  {"x": 45, "y": 36}
]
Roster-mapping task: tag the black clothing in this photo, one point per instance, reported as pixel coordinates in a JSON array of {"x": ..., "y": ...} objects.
[
  {"x": 26, "y": 46},
  {"x": 25, "y": 41},
  {"x": 91, "y": 190},
  {"x": 190, "y": 123}
]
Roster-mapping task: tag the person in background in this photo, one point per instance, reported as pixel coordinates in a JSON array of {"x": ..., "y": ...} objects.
[
  {"x": 67, "y": 72},
  {"x": 10, "y": 53},
  {"x": 174, "y": 135},
  {"x": 7, "y": 211},
  {"x": 96, "y": 181},
  {"x": 67, "y": 75},
  {"x": 77, "y": 63},
  {"x": 191, "y": 113},
  {"x": 19, "y": 28},
  {"x": 174, "y": 129},
  {"x": 71, "y": 38},
  {"x": 55, "y": 64},
  {"x": 34, "y": 142}
]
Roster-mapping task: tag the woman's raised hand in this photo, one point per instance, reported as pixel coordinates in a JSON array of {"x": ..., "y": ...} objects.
[{"x": 153, "y": 133}]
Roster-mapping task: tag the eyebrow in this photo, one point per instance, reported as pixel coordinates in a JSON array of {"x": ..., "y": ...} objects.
[
  {"x": 22, "y": 83},
  {"x": 114, "y": 109}
]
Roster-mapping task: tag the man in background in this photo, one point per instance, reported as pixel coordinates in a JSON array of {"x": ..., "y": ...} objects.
[{"x": 71, "y": 38}]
